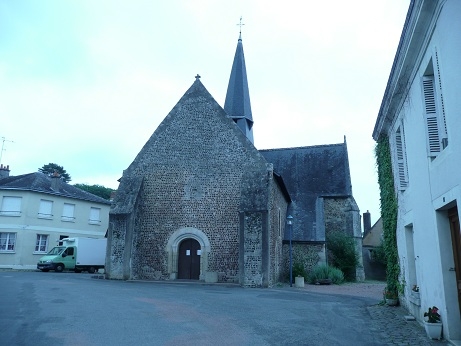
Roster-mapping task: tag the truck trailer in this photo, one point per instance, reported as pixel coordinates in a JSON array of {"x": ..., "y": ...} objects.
[{"x": 77, "y": 254}]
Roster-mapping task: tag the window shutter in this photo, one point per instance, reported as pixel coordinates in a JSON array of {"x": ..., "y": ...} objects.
[
  {"x": 68, "y": 212},
  {"x": 45, "y": 209},
  {"x": 11, "y": 206},
  {"x": 432, "y": 121},
  {"x": 95, "y": 215},
  {"x": 401, "y": 164}
]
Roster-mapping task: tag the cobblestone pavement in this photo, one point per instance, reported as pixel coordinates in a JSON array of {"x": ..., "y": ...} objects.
[{"x": 388, "y": 322}]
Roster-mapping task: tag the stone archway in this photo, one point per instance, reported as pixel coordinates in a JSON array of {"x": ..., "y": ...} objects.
[{"x": 173, "y": 250}]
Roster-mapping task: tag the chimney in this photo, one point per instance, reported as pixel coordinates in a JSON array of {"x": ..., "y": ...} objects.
[
  {"x": 4, "y": 171},
  {"x": 55, "y": 181},
  {"x": 366, "y": 222}
]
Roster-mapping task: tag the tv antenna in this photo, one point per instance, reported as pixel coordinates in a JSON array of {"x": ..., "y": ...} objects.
[{"x": 3, "y": 147}]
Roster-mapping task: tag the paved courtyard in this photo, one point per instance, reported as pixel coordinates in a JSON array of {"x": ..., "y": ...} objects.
[{"x": 79, "y": 309}]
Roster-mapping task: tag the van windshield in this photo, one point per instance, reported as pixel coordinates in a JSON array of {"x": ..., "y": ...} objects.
[{"x": 56, "y": 251}]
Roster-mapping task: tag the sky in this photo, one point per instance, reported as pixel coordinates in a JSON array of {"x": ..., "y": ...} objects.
[{"x": 84, "y": 84}]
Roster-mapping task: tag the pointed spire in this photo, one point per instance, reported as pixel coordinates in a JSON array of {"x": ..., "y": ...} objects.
[{"x": 237, "y": 104}]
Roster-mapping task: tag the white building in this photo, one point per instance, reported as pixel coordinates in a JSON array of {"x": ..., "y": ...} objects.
[
  {"x": 421, "y": 115},
  {"x": 36, "y": 211}
]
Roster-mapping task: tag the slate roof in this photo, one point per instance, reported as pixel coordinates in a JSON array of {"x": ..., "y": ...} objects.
[
  {"x": 39, "y": 182},
  {"x": 311, "y": 172},
  {"x": 237, "y": 104}
]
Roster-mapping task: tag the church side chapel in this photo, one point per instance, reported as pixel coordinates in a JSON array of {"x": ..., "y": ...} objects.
[{"x": 200, "y": 202}]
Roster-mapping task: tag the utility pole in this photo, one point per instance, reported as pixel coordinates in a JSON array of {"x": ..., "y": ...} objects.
[{"x": 3, "y": 147}]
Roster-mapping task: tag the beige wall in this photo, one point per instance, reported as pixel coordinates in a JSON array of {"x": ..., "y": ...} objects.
[{"x": 28, "y": 224}]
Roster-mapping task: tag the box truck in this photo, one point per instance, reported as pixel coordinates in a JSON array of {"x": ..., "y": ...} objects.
[{"x": 78, "y": 254}]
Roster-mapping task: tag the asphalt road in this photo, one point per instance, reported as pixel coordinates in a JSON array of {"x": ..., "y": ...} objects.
[{"x": 72, "y": 309}]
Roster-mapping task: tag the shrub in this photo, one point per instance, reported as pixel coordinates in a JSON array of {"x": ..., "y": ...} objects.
[
  {"x": 336, "y": 275},
  {"x": 298, "y": 270},
  {"x": 342, "y": 253},
  {"x": 324, "y": 271}
]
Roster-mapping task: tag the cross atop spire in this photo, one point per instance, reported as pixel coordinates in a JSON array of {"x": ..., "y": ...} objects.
[{"x": 240, "y": 24}]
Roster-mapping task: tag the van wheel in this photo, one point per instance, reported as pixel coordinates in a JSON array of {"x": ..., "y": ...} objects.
[
  {"x": 91, "y": 270},
  {"x": 59, "y": 268}
]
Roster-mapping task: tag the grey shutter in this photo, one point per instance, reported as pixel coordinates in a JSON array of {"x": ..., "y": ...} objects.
[
  {"x": 401, "y": 164},
  {"x": 432, "y": 121}
]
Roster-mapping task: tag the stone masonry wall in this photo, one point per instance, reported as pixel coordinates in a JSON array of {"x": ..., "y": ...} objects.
[
  {"x": 277, "y": 223},
  {"x": 343, "y": 215}
]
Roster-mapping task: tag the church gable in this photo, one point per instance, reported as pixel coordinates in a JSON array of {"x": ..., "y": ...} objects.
[{"x": 197, "y": 131}]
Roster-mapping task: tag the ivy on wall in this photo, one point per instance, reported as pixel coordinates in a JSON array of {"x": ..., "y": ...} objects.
[{"x": 389, "y": 207}]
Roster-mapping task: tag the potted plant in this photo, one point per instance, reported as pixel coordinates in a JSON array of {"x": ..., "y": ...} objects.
[
  {"x": 432, "y": 324},
  {"x": 391, "y": 296},
  {"x": 299, "y": 281},
  {"x": 298, "y": 274}
]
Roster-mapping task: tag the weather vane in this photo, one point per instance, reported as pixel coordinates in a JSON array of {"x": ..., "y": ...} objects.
[{"x": 240, "y": 24}]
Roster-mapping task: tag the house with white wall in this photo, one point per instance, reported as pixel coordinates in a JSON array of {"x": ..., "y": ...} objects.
[
  {"x": 37, "y": 211},
  {"x": 420, "y": 114}
]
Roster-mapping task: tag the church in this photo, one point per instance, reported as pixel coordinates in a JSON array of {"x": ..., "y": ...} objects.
[{"x": 201, "y": 202}]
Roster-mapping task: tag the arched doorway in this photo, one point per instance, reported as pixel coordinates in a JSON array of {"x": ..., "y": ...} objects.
[{"x": 189, "y": 259}]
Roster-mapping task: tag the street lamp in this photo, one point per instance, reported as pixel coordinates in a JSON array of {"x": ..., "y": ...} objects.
[{"x": 290, "y": 229}]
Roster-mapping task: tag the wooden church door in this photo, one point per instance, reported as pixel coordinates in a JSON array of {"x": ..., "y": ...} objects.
[{"x": 189, "y": 259}]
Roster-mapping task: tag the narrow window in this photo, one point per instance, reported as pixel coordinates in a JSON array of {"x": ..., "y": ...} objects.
[
  {"x": 45, "y": 210},
  {"x": 95, "y": 216},
  {"x": 42, "y": 243},
  {"x": 68, "y": 212},
  {"x": 11, "y": 206},
  {"x": 7, "y": 241}
]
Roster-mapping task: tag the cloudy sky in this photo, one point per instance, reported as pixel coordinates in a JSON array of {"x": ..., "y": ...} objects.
[{"x": 85, "y": 83}]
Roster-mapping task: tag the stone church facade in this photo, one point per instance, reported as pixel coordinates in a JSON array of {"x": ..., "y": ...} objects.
[{"x": 200, "y": 202}]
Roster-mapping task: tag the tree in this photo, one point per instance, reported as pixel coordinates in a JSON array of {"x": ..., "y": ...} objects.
[
  {"x": 52, "y": 168},
  {"x": 98, "y": 190},
  {"x": 342, "y": 253}
]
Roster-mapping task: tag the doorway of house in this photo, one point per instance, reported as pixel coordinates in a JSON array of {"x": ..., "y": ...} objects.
[
  {"x": 456, "y": 241},
  {"x": 189, "y": 259}
]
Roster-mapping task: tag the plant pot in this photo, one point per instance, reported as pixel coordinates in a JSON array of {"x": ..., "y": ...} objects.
[
  {"x": 392, "y": 301},
  {"x": 299, "y": 281},
  {"x": 433, "y": 330}
]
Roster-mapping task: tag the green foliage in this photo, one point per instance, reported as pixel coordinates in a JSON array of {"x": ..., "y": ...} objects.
[
  {"x": 342, "y": 253},
  {"x": 336, "y": 275},
  {"x": 52, "y": 168},
  {"x": 389, "y": 210},
  {"x": 379, "y": 255},
  {"x": 324, "y": 271},
  {"x": 298, "y": 270},
  {"x": 97, "y": 190}
]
